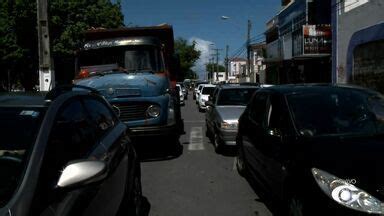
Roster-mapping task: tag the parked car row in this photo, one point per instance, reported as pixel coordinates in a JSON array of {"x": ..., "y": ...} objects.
[
  {"x": 311, "y": 149},
  {"x": 65, "y": 153}
]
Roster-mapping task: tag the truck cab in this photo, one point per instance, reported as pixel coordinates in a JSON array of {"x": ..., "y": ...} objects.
[{"x": 135, "y": 70}]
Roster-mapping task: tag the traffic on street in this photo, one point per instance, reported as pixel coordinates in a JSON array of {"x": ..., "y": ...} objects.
[
  {"x": 191, "y": 108},
  {"x": 199, "y": 181}
]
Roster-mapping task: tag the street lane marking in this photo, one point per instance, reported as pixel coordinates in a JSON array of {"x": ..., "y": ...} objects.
[
  {"x": 196, "y": 139},
  {"x": 234, "y": 163}
]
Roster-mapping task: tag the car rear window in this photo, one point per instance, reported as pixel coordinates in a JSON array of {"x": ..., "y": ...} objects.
[
  {"x": 341, "y": 111},
  {"x": 18, "y": 129},
  {"x": 208, "y": 90},
  {"x": 237, "y": 96}
]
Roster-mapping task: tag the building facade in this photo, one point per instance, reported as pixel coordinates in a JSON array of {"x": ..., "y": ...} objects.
[
  {"x": 358, "y": 50},
  {"x": 237, "y": 67},
  {"x": 257, "y": 70},
  {"x": 299, "y": 43}
]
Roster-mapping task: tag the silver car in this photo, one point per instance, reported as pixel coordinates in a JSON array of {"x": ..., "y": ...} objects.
[{"x": 224, "y": 109}]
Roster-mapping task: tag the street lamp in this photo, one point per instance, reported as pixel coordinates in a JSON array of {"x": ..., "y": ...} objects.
[{"x": 249, "y": 25}]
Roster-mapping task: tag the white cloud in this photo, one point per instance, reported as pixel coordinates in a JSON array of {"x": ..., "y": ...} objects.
[{"x": 204, "y": 47}]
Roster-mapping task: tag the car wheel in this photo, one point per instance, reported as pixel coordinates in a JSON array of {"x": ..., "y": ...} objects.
[
  {"x": 295, "y": 207},
  {"x": 240, "y": 163},
  {"x": 136, "y": 197},
  {"x": 216, "y": 143},
  {"x": 207, "y": 131}
]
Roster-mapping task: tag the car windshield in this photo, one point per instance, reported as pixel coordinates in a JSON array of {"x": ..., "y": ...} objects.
[
  {"x": 336, "y": 112},
  {"x": 207, "y": 90},
  {"x": 19, "y": 128},
  {"x": 236, "y": 96}
]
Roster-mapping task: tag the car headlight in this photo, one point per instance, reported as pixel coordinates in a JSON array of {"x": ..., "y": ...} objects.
[
  {"x": 228, "y": 125},
  {"x": 153, "y": 111},
  {"x": 347, "y": 194}
]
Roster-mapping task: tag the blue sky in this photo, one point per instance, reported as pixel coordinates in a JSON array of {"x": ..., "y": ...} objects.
[{"x": 200, "y": 20}]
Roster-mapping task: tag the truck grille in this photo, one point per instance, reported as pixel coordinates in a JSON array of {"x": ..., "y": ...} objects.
[{"x": 133, "y": 112}]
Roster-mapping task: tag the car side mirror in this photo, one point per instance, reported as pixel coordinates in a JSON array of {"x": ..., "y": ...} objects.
[{"x": 79, "y": 173}]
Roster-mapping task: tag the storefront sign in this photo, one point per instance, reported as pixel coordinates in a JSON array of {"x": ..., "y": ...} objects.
[{"x": 317, "y": 39}]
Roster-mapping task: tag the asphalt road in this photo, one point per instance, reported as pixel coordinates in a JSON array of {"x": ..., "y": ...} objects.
[{"x": 199, "y": 182}]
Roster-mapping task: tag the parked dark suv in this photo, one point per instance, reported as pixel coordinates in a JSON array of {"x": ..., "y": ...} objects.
[
  {"x": 65, "y": 153},
  {"x": 315, "y": 149}
]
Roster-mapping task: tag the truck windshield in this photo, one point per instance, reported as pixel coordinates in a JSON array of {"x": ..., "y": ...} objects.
[{"x": 127, "y": 58}]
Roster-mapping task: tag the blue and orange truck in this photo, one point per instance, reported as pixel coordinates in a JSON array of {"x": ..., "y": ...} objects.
[{"x": 136, "y": 70}]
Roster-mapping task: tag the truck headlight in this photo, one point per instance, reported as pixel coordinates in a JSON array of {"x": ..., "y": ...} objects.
[
  {"x": 228, "y": 125},
  {"x": 347, "y": 194},
  {"x": 171, "y": 112},
  {"x": 153, "y": 111}
]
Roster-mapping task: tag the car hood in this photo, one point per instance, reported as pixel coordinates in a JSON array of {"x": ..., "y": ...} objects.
[
  {"x": 358, "y": 158},
  {"x": 128, "y": 85},
  {"x": 230, "y": 112}
]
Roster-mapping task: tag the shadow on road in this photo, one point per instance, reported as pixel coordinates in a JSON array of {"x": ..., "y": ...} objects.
[
  {"x": 228, "y": 151},
  {"x": 158, "y": 151},
  {"x": 263, "y": 196},
  {"x": 146, "y": 207}
]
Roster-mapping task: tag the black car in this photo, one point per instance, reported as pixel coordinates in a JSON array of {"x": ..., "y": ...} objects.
[
  {"x": 315, "y": 149},
  {"x": 65, "y": 153}
]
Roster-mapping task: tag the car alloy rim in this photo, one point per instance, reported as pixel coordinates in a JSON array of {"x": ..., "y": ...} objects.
[
  {"x": 295, "y": 207},
  {"x": 240, "y": 161},
  {"x": 216, "y": 141}
]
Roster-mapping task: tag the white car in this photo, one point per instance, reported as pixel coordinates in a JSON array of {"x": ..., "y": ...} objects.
[
  {"x": 180, "y": 90},
  {"x": 206, "y": 91},
  {"x": 198, "y": 90}
]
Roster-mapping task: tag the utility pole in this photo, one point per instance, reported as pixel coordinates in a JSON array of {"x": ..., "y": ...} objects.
[
  {"x": 248, "y": 48},
  {"x": 226, "y": 62},
  {"x": 212, "y": 69},
  {"x": 217, "y": 63},
  {"x": 46, "y": 75}
]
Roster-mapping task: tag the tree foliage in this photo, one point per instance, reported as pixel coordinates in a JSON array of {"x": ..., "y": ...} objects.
[
  {"x": 68, "y": 19},
  {"x": 188, "y": 57}
]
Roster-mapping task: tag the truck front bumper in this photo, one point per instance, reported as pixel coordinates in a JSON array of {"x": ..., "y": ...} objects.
[{"x": 155, "y": 131}]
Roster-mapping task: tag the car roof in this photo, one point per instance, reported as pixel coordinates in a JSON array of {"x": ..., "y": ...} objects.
[
  {"x": 208, "y": 85},
  {"x": 314, "y": 87},
  {"x": 33, "y": 99},
  {"x": 41, "y": 99},
  {"x": 237, "y": 86}
]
